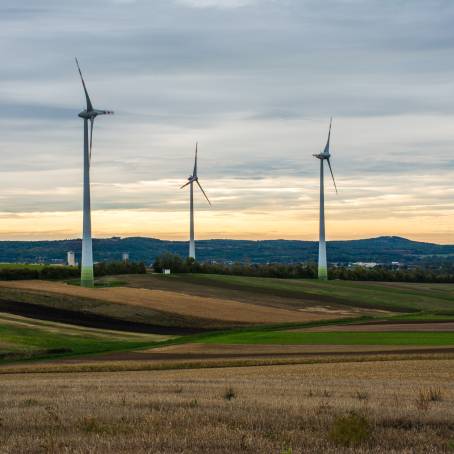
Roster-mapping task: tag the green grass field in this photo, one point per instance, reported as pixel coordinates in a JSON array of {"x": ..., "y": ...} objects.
[
  {"x": 24, "y": 338},
  {"x": 332, "y": 338}
]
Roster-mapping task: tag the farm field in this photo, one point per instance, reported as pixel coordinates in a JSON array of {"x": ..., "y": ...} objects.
[
  {"x": 24, "y": 338},
  {"x": 292, "y": 337},
  {"x": 394, "y": 406},
  {"x": 212, "y": 302},
  {"x": 100, "y": 307},
  {"x": 281, "y": 314},
  {"x": 220, "y": 364},
  {"x": 394, "y": 297},
  {"x": 180, "y": 305},
  {"x": 408, "y": 326}
]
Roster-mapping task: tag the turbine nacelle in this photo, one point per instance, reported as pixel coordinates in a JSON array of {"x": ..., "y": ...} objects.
[
  {"x": 92, "y": 114},
  {"x": 322, "y": 155}
]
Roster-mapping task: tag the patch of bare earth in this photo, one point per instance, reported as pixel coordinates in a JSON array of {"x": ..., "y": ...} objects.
[
  {"x": 383, "y": 327},
  {"x": 182, "y": 304},
  {"x": 406, "y": 406}
]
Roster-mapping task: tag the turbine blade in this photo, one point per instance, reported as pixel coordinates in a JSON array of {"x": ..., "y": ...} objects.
[
  {"x": 197, "y": 181},
  {"x": 194, "y": 173},
  {"x": 92, "y": 121},
  {"x": 185, "y": 185},
  {"x": 331, "y": 170},
  {"x": 89, "y": 105},
  {"x": 326, "y": 150}
]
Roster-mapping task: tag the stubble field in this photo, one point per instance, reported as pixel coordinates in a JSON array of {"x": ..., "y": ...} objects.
[
  {"x": 211, "y": 364},
  {"x": 393, "y": 406}
]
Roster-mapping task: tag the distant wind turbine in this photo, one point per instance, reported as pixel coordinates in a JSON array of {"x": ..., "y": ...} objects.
[
  {"x": 89, "y": 114},
  {"x": 322, "y": 262},
  {"x": 191, "y": 180}
]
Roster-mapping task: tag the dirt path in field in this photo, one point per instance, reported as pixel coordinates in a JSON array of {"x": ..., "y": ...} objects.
[
  {"x": 187, "y": 305},
  {"x": 382, "y": 327}
]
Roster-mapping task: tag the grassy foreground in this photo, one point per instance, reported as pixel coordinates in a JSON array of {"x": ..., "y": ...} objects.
[{"x": 398, "y": 407}]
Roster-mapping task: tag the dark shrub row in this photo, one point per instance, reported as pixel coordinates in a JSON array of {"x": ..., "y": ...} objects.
[
  {"x": 10, "y": 274},
  {"x": 178, "y": 265},
  {"x": 108, "y": 268},
  {"x": 65, "y": 272},
  {"x": 302, "y": 271}
]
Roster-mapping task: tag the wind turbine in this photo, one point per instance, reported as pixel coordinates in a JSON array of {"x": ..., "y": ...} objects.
[
  {"x": 191, "y": 180},
  {"x": 324, "y": 156},
  {"x": 88, "y": 114}
]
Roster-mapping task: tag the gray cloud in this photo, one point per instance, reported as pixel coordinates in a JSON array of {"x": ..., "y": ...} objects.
[{"x": 254, "y": 81}]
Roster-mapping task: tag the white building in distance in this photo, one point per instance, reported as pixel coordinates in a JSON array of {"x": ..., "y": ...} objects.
[
  {"x": 72, "y": 258},
  {"x": 365, "y": 264}
]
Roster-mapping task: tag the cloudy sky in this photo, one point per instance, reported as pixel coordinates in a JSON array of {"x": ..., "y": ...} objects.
[{"x": 255, "y": 82}]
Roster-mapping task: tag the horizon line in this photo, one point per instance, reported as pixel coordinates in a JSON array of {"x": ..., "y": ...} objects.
[{"x": 119, "y": 237}]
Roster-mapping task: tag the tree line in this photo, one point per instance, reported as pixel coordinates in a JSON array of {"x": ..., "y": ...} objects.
[
  {"x": 48, "y": 272},
  {"x": 304, "y": 271}
]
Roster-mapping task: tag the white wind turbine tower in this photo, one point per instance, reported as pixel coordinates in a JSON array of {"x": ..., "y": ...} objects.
[
  {"x": 325, "y": 156},
  {"x": 191, "y": 180},
  {"x": 88, "y": 114}
]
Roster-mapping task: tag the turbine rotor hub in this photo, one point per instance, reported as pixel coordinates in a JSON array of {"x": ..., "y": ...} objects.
[
  {"x": 322, "y": 156},
  {"x": 91, "y": 114},
  {"x": 88, "y": 115}
]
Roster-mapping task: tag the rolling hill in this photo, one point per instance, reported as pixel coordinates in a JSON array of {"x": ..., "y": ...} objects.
[{"x": 382, "y": 250}]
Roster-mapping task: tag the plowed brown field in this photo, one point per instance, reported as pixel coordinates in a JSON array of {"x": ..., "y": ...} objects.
[{"x": 186, "y": 305}]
